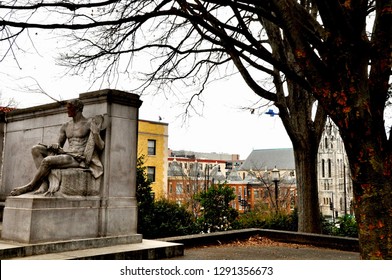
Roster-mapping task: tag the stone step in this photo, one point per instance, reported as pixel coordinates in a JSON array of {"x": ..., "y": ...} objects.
[
  {"x": 10, "y": 249},
  {"x": 146, "y": 250}
]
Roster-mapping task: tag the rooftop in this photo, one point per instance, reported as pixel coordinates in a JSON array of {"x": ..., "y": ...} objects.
[{"x": 267, "y": 159}]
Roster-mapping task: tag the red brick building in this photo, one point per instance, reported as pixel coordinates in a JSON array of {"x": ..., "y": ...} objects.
[{"x": 251, "y": 179}]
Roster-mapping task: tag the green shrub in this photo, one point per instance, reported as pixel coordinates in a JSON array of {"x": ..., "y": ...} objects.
[
  {"x": 343, "y": 226},
  {"x": 157, "y": 219},
  {"x": 282, "y": 221},
  {"x": 143, "y": 196},
  {"x": 167, "y": 219},
  {"x": 268, "y": 220},
  {"x": 217, "y": 213},
  {"x": 346, "y": 226},
  {"x": 326, "y": 226},
  {"x": 250, "y": 219}
]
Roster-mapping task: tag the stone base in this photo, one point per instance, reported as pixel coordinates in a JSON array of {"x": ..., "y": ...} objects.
[
  {"x": 104, "y": 248},
  {"x": 32, "y": 218},
  {"x": 74, "y": 181}
]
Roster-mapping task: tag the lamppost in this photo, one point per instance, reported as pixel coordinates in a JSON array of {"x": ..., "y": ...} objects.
[
  {"x": 276, "y": 179},
  {"x": 197, "y": 175},
  {"x": 345, "y": 189},
  {"x": 206, "y": 177},
  {"x": 243, "y": 203},
  {"x": 207, "y": 170},
  {"x": 332, "y": 208}
]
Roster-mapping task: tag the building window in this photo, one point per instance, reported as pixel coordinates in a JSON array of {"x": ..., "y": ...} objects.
[
  {"x": 151, "y": 173},
  {"x": 152, "y": 147},
  {"x": 342, "y": 167},
  {"x": 179, "y": 188},
  {"x": 170, "y": 188},
  {"x": 323, "y": 168},
  {"x": 329, "y": 168}
]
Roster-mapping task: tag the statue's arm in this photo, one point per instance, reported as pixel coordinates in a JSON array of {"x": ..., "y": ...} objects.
[
  {"x": 95, "y": 128},
  {"x": 99, "y": 143},
  {"x": 62, "y": 136}
]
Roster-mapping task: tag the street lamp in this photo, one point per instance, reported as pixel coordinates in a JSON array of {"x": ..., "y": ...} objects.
[
  {"x": 332, "y": 208},
  {"x": 243, "y": 203},
  {"x": 207, "y": 172},
  {"x": 276, "y": 179}
]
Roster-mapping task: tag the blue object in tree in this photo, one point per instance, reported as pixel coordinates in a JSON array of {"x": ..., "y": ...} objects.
[{"x": 271, "y": 113}]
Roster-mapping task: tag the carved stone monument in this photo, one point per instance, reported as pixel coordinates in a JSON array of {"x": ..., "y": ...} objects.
[{"x": 84, "y": 185}]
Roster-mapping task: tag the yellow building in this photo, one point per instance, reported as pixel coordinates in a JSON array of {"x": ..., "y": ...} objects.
[{"x": 153, "y": 145}]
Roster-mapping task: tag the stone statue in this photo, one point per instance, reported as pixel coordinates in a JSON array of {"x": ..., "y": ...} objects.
[{"x": 84, "y": 139}]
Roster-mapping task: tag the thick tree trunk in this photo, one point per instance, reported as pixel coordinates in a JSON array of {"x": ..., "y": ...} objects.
[
  {"x": 373, "y": 212},
  {"x": 307, "y": 190},
  {"x": 305, "y": 134},
  {"x": 371, "y": 172}
]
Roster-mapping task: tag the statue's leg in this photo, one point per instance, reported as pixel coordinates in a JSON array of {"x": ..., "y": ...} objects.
[
  {"x": 43, "y": 188},
  {"x": 47, "y": 164},
  {"x": 42, "y": 173},
  {"x": 21, "y": 190},
  {"x": 61, "y": 162},
  {"x": 39, "y": 152}
]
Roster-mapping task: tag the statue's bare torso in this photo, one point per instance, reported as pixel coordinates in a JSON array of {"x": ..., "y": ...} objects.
[{"x": 77, "y": 135}]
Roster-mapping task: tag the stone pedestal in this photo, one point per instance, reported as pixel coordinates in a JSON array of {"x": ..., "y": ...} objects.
[
  {"x": 32, "y": 219},
  {"x": 111, "y": 210},
  {"x": 35, "y": 219}
]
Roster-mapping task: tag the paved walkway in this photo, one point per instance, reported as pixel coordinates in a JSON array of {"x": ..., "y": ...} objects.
[
  {"x": 265, "y": 253},
  {"x": 257, "y": 246}
]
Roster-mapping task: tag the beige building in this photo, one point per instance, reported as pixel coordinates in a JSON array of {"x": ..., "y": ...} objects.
[{"x": 334, "y": 182}]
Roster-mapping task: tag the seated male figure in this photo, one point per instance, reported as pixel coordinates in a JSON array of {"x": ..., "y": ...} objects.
[{"x": 83, "y": 136}]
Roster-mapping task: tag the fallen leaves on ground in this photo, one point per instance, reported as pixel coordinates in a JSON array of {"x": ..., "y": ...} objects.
[{"x": 259, "y": 241}]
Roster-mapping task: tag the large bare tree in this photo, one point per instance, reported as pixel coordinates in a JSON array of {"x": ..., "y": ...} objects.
[{"x": 337, "y": 52}]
